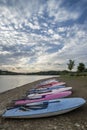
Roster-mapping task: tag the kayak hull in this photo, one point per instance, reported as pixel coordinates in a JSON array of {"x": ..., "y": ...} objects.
[
  {"x": 51, "y": 92},
  {"x": 55, "y": 107},
  {"x": 46, "y": 97},
  {"x": 32, "y": 91},
  {"x": 51, "y": 85}
]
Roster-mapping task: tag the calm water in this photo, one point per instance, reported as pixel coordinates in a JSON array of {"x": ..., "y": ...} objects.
[{"x": 10, "y": 82}]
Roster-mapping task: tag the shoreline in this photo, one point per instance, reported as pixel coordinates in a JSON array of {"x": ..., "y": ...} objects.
[
  {"x": 15, "y": 82},
  {"x": 34, "y": 82},
  {"x": 74, "y": 120}
]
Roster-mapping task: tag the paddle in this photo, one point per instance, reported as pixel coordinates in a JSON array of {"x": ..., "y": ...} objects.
[{"x": 34, "y": 107}]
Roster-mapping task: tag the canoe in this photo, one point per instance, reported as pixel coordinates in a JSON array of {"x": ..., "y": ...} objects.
[
  {"x": 50, "y": 92},
  {"x": 43, "y": 98},
  {"x": 45, "y": 109}
]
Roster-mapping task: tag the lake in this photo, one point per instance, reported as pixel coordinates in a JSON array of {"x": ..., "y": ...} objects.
[{"x": 13, "y": 81}]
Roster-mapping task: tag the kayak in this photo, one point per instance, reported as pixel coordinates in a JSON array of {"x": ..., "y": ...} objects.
[
  {"x": 49, "y": 92},
  {"x": 47, "y": 81},
  {"x": 50, "y": 84},
  {"x": 45, "y": 109},
  {"x": 44, "y": 89},
  {"x": 42, "y": 98}
]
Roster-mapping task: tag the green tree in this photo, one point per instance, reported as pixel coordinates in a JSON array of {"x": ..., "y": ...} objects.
[
  {"x": 81, "y": 67},
  {"x": 71, "y": 64}
]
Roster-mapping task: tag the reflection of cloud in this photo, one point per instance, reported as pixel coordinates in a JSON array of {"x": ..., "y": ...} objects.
[{"x": 42, "y": 35}]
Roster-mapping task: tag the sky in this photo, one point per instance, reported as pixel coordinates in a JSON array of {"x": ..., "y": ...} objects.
[{"x": 42, "y": 35}]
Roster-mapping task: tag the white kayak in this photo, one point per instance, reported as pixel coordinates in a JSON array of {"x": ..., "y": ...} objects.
[{"x": 50, "y": 92}]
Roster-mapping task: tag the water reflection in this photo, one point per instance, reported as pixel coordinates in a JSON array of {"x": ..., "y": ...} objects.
[{"x": 10, "y": 82}]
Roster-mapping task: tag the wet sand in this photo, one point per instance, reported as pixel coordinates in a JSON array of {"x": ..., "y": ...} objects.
[{"x": 75, "y": 120}]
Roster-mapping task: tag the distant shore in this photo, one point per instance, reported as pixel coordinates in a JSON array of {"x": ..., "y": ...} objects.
[{"x": 75, "y": 120}]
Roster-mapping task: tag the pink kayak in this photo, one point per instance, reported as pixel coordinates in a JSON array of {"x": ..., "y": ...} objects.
[
  {"x": 43, "y": 98},
  {"x": 51, "y": 84},
  {"x": 50, "y": 92},
  {"x": 48, "y": 81}
]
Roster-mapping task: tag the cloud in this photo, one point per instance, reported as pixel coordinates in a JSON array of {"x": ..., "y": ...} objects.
[
  {"x": 61, "y": 13},
  {"x": 42, "y": 35},
  {"x": 56, "y": 36},
  {"x": 33, "y": 26},
  {"x": 50, "y": 31}
]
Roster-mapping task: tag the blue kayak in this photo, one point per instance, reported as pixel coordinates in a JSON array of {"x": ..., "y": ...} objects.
[
  {"x": 45, "y": 109},
  {"x": 44, "y": 89}
]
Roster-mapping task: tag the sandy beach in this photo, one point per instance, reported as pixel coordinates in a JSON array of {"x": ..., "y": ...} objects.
[{"x": 75, "y": 120}]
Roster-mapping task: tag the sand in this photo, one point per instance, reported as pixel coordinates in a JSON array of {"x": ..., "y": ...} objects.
[{"x": 75, "y": 120}]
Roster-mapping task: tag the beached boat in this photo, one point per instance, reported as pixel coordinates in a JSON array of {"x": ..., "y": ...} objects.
[
  {"x": 45, "y": 109},
  {"x": 44, "y": 89},
  {"x": 42, "y": 98},
  {"x": 50, "y": 84},
  {"x": 49, "y": 92}
]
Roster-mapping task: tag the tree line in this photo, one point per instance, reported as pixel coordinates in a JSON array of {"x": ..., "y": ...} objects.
[{"x": 80, "y": 68}]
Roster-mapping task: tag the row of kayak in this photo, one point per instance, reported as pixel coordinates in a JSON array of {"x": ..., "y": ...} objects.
[{"x": 46, "y": 99}]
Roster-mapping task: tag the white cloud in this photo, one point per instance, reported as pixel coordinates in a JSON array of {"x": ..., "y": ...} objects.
[
  {"x": 61, "y": 29},
  {"x": 45, "y": 24},
  {"x": 60, "y": 13},
  {"x": 26, "y": 35},
  {"x": 74, "y": 48},
  {"x": 4, "y": 52},
  {"x": 50, "y": 31},
  {"x": 56, "y": 37},
  {"x": 33, "y": 26}
]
